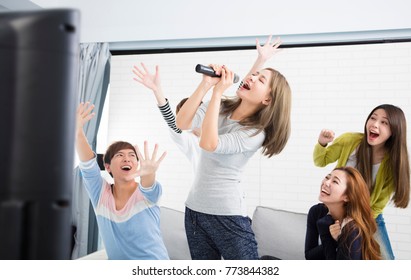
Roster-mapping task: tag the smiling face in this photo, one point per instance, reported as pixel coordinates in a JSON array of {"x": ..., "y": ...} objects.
[
  {"x": 378, "y": 128},
  {"x": 122, "y": 164},
  {"x": 256, "y": 88},
  {"x": 333, "y": 188}
]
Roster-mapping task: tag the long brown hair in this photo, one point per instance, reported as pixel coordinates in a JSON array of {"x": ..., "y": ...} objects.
[
  {"x": 274, "y": 118},
  {"x": 358, "y": 208},
  {"x": 396, "y": 148}
]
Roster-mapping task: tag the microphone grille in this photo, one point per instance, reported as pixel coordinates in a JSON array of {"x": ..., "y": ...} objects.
[{"x": 236, "y": 78}]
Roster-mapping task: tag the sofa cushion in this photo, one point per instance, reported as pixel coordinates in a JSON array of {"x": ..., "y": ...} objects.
[
  {"x": 279, "y": 233},
  {"x": 174, "y": 234}
]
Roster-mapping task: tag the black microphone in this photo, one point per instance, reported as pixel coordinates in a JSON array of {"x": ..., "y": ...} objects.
[{"x": 206, "y": 70}]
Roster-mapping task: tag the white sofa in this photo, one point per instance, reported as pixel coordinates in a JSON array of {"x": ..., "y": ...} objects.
[
  {"x": 280, "y": 234},
  {"x": 174, "y": 234}
]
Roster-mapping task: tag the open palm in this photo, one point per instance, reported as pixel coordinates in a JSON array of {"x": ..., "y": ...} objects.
[
  {"x": 148, "y": 164},
  {"x": 144, "y": 77},
  {"x": 84, "y": 114},
  {"x": 268, "y": 49}
]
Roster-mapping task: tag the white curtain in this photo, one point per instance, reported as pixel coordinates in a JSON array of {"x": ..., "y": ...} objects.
[{"x": 94, "y": 77}]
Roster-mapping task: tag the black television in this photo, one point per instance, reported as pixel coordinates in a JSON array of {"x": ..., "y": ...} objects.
[{"x": 39, "y": 53}]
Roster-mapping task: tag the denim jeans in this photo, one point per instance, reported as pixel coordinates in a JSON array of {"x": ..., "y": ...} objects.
[
  {"x": 382, "y": 238},
  {"x": 212, "y": 237}
]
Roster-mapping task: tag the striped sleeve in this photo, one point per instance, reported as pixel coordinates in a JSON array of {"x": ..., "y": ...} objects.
[{"x": 169, "y": 117}]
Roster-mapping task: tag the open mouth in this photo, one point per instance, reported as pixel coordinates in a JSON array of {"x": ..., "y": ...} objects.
[
  {"x": 324, "y": 191},
  {"x": 373, "y": 135},
  {"x": 244, "y": 85},
  {"x": 126, "y": 168}
]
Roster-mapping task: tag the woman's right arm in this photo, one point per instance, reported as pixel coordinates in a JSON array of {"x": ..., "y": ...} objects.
[
  {"x": 313, "y": 250},
  {"x": 188, "y": 110},
  {"x": 324, "y": 155},
  {"x": 327, "y": 241}
]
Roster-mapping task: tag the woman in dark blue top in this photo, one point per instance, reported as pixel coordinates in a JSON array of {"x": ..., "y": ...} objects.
[
  {"x": 313, "y": 247},
  {"x": 343, "y": 221}
]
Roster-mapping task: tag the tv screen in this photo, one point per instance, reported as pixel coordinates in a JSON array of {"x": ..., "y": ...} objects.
[{"x": 38, "y": 79}]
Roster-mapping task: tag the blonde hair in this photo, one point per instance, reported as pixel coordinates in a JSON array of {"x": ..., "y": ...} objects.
[{"x": 274, "y": 119}]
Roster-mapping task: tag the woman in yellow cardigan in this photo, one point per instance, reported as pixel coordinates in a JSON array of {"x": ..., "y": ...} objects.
[{"x": 381, "y": 156}]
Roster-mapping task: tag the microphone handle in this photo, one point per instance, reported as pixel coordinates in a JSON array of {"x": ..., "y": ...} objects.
[{"x": 206, "y": 70}]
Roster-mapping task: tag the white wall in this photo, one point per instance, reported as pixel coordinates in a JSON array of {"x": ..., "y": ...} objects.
[{"x": 333, "y": 87}]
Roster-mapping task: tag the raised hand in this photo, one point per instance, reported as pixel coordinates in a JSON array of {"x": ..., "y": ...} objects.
[
  {"x": 148, "y": 165},
  {"x": 268, "y": 50},
  {"x": 144, "y": 77},
  {"x": 326, "y": 136},
  {"x": 83, "y": 115},
  {"x": 265, "y": 52}
]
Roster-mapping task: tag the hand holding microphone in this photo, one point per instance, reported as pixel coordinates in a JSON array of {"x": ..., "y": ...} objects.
[{"x": 206, "y": 70}]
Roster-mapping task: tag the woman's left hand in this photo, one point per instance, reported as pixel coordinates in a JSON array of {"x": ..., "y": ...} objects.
[
  {"x": 226, "y": 80},
  {"x": 269, "y": 49},
  {"x": 335, "y": 230}
]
